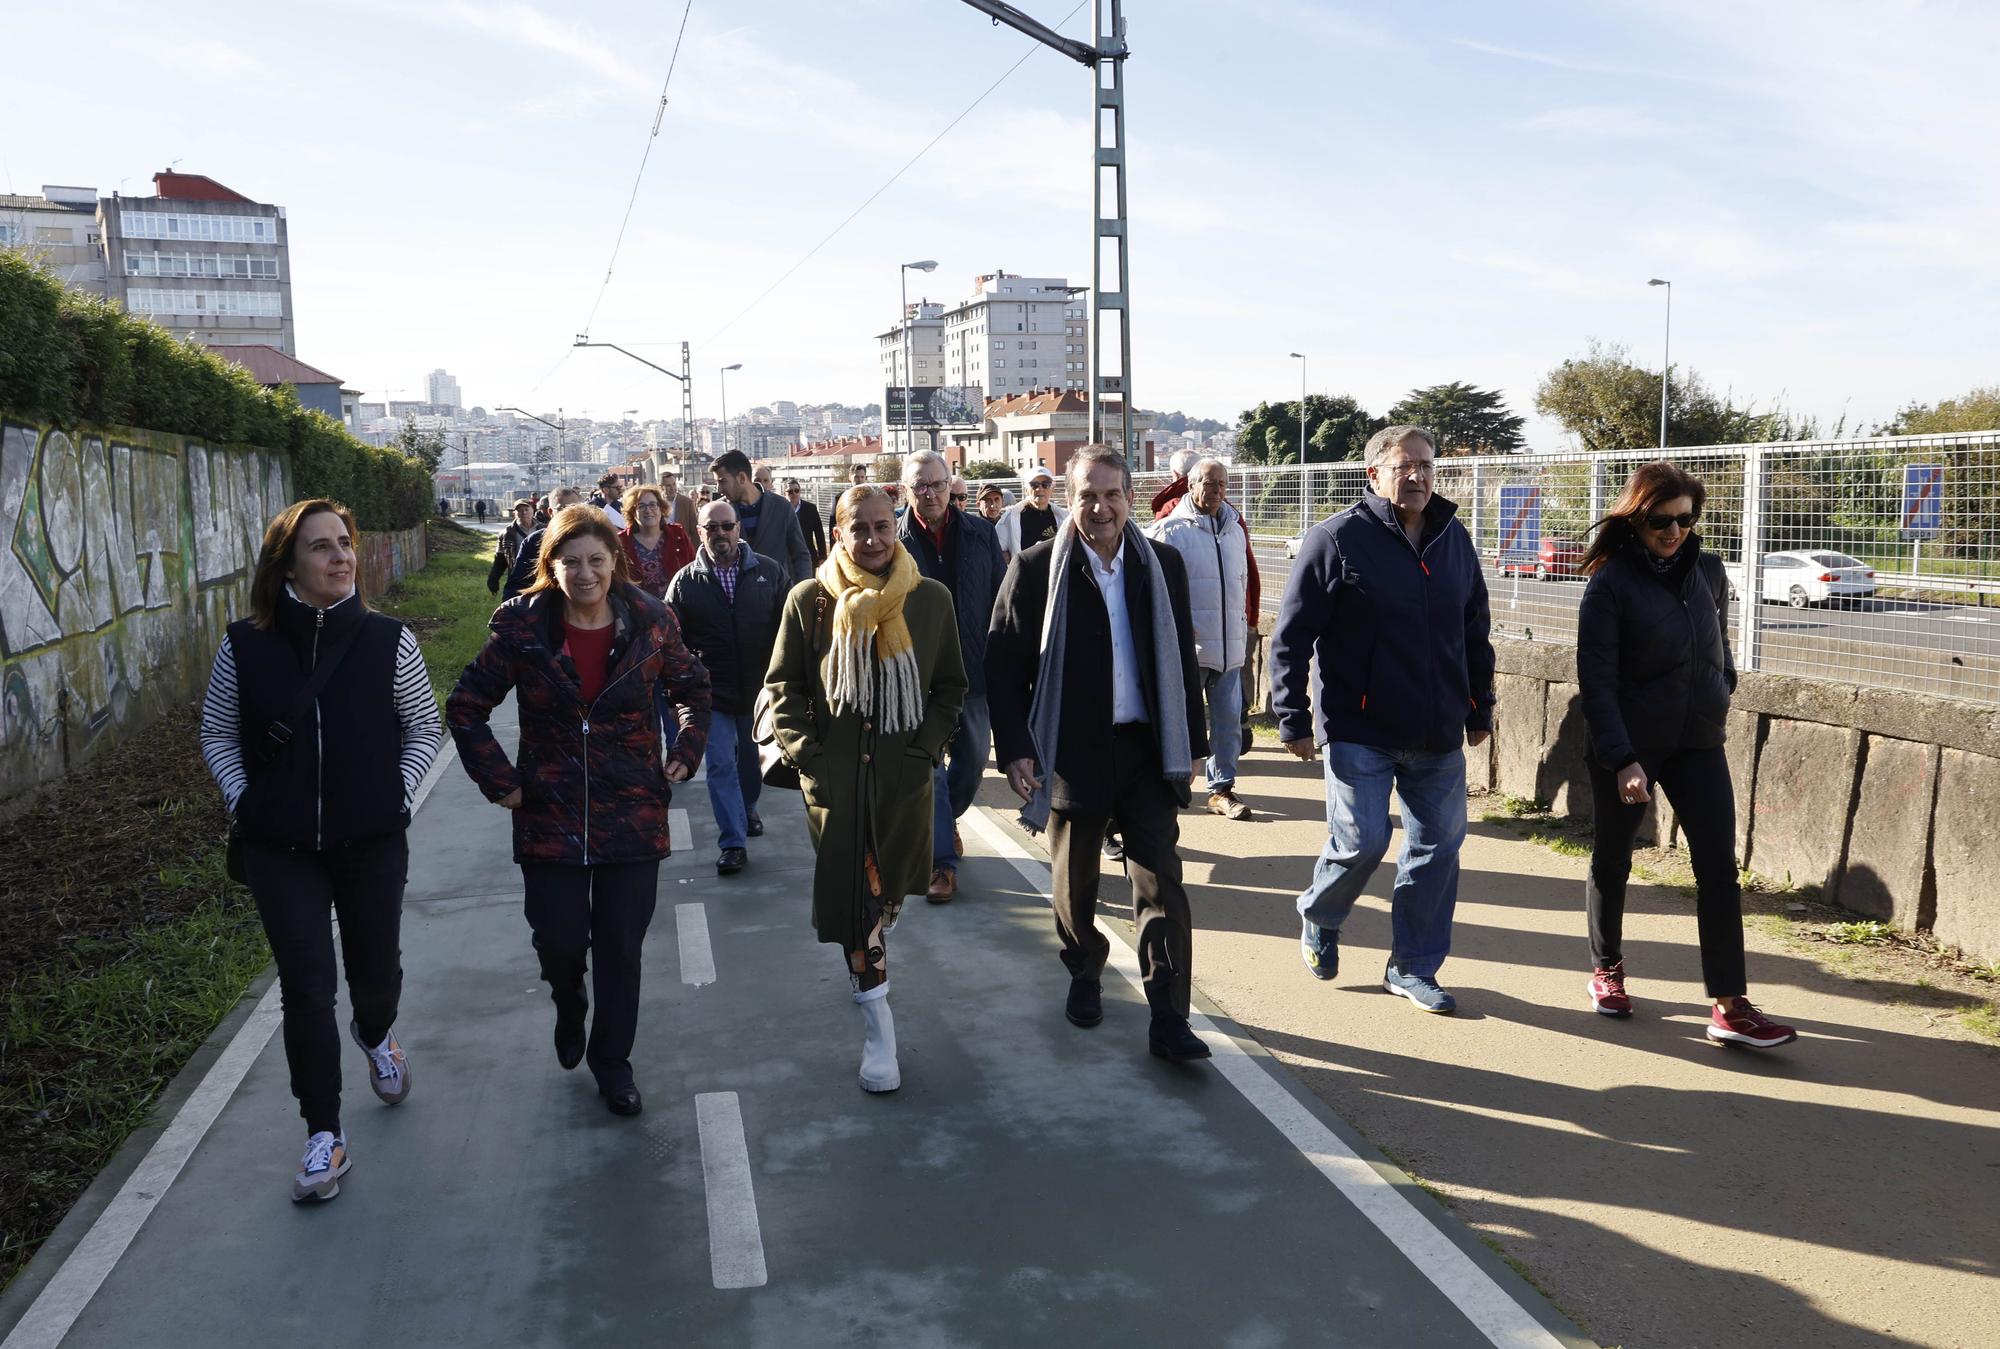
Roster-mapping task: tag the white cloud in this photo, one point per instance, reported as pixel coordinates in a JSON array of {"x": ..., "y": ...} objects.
[{"x": 1604, "y": 121}]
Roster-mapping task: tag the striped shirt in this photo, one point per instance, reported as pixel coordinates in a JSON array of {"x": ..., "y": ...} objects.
[{"x": 416, "y": 709}]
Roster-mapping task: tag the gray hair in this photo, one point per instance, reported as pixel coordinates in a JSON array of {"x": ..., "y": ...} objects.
[
  {"x": 916, "y": 460},
  {"x": 1181, "y": 463},
  {"x": 1393, "y": 438},
  {"x": 1084, "y": 459},
  {"x": 1201, "y": 465}
]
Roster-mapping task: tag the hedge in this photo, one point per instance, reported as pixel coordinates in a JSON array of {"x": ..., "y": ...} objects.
[{"x": 76, "y": 359}]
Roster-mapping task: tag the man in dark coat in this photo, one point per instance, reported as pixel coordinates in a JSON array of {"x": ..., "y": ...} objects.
[
  {"x": 521, "y": 574},
  {"x": 766, "y": 522},
  {"x": 729, "y": 601},
  {"x": 1105, "y": 721},
  {"x": 809, "y": 521},
  {"x": 1390, "y": 596},
  {"x": 961, "y": 551}
]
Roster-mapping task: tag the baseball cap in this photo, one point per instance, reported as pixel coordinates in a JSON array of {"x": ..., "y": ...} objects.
[{"x": 1039, "y": 471}]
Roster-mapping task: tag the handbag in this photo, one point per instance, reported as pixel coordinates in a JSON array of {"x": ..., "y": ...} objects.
[
  {"x": 772, "y": 765},
  {"x": 277, "y": 738}
]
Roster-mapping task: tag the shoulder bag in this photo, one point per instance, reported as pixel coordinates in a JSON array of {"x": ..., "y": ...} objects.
[{"x": 775, "y": 768}]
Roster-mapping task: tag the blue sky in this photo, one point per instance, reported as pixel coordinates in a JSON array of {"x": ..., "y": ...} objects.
[{"x": 1408, "y": 193}]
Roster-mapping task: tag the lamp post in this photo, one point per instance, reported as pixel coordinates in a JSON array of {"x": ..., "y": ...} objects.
[
  {"x": 722, "y": 377},
  {"x": 1666, "y": 356},
  {"x": 1300, "y": 357},
  {"x": 559, "y": 426},
  {"x": 903, "y": 275}
]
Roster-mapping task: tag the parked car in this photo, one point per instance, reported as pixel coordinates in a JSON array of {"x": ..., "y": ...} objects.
[
  {"x": 1553, "y": 557},
  {"x": 1807, "y": 578},
  {"x": 1293, "y": 544}
]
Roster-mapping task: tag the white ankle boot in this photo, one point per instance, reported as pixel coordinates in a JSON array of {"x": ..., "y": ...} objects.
[{"x": 878, "y": 1050}]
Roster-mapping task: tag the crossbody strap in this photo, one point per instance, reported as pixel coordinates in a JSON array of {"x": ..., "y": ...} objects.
[{"x": 279, "y": 733}]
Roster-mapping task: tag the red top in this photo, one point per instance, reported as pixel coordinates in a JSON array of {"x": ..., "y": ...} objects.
[
  {"x": 590, "y": 651},
  {"x": 651, "y": 571}
]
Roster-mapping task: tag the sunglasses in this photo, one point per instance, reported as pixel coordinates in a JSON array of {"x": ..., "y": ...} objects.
[
  {"x": 713, "y": 528},
  {"x": 959, "y": 497},
  {"x": 1658, "y": 523}
]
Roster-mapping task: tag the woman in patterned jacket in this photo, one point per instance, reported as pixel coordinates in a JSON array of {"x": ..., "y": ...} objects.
[{"x": 582, "y": 649}]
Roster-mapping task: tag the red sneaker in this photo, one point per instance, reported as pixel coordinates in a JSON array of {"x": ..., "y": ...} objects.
[
  {"x": 1743, "y": 1024},
  {"x": 1607, "y": 991}
]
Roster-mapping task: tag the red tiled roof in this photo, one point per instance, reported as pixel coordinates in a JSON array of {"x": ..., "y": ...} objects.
[
  {"x": 1038, "y": 402},
  {"x": 268, "y": 365},
  {"x": 194, "y": 187}
]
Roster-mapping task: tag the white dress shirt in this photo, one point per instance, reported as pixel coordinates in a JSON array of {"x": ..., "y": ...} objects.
[{"x": 1128, "y": 698}]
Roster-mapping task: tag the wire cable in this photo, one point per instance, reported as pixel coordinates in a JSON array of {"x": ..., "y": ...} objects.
[
  {"x": 659, "y": 116},
  {"x": 1033, "y": 47}
]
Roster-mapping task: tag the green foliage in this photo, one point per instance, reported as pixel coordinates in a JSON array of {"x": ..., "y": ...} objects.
[
  {"x": 1337, "y": 428},
  {"x": 76, "y": 360},
  {"x": 988, "y": 468},
  {"x": 426, "y": 447},
  {"x": 1978, "y": 410},
  {"x": 1465, "y": 420},
  {"x": 1608, "y": 403}
]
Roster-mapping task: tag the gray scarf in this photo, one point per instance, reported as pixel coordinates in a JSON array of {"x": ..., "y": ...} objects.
[{"x": 1045, "y": 714}]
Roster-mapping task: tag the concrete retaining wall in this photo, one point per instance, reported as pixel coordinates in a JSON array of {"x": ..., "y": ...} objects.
[
  {"x": 1883, "y": 800},
  {"x": 123, "y": 555}
]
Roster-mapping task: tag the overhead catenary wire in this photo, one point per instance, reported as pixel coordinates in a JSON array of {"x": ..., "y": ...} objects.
[
  {"x": 765, "y": 294},
  {"x": 659, "y": 116}
]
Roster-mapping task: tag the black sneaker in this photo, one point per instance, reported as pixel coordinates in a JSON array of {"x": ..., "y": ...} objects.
[
  {"x": 731, "y": 861},
  {"x": 1114, "y": 848},
  {"x": 1086, "y": 1002},
  {"x": 1171, "y": 1038}
]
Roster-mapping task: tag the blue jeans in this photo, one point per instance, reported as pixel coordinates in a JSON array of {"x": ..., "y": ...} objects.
[
  {"x": 1225, "y": 726},
  {"x": 734, "y": 779},
  {"x": 957, "y": 781},
  {"x": 1431, "y": 786}
]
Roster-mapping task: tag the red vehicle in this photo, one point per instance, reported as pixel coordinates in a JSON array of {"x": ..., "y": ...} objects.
[{"x": 1556, "y": 557}]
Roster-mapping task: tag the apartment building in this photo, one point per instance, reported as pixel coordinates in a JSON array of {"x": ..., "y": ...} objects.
[
  {"x": 202, "y": 261},
  {"x": 1015, "y": 333},
  {"x": 58, "y": 231}
]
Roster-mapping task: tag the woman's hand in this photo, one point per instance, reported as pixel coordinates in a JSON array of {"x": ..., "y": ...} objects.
[
  {"x": 1632, "y": 785},
  {"x": 511, "y": 801},
  {"x": 678, "y": 771}
]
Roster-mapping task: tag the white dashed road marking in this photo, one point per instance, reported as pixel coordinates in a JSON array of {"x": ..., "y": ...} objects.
[
  {"x": 735, "y": 1243},
  {"x": 697, "y": 957}
]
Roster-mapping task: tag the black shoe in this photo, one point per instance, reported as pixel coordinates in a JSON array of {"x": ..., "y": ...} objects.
[
  {"x": 732, "y": 860},
  {"x": 1170, "y": 1038},
  {"x": 755, "y": 829},
  {"x": 1114, "y": 848},
  {"x": 1086, "y": 1003},
  {"x": 622, "y": 1100},
  {"x": 570, "y": 1034}
]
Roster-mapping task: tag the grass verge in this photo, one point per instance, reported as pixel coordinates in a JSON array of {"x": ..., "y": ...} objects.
[{"x": 447, "y": 604}]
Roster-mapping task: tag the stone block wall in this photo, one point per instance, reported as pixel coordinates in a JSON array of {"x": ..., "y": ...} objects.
[{"x": 1883, "y": 800}]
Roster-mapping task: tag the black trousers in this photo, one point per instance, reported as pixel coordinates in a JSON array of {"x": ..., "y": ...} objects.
[
  {"x": 298, "y": 893},
  {"x": 609, "y": 908},
  {"x": 1697, "y": 784},
  {"x": 1149, "y": 817}
]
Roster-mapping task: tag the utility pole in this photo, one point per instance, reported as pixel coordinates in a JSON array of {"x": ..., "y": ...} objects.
[
  {"x": 1105, "y": 51},
  {"x": 685, "y": 376}
]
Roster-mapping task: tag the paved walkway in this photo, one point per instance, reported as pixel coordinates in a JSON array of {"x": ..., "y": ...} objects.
[{"x": 1031, "y": 1183}]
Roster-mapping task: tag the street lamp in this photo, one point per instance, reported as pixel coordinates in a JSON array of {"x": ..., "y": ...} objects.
[
  {"x": 903, "y": 275},
  {"x": 722, "y": 377},
  {"x": 1666, "y": 352},
  {"x": 559, "y": 426},
  {"x": 1300, "y": 357}
]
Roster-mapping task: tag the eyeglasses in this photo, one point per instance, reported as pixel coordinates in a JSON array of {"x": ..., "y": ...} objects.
[
  {"x": 1658, "y": 523},
  {"x": 959, "y": 497},
  {"x": 719, "y": 527},
  {"x": 1414, "y": 468},
  {"x": 929, "y": 488}
]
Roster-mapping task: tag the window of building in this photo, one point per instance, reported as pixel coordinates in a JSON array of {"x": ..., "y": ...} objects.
[
  {"x": 1000, "y": 365},
  {"x": 1025, "y": 346},
  {"x": 999, "y": 346},
  {"x": 247, "y": 304},
  {"x": 54, "y": 234},
  {"x": 10, "y": 234},
  {"x": 207, "y": 228}
]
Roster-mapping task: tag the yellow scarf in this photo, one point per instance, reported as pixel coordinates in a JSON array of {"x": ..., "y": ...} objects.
[{"x": 868, "y": 612}]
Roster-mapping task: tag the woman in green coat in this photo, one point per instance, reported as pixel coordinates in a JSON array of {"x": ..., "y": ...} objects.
[{"x": 866, "y": 683}]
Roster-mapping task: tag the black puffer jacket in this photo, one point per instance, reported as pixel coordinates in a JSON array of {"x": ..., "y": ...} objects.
[
  {"x": 1652, "y": 655},
  {"x": 732, "y": 638}
]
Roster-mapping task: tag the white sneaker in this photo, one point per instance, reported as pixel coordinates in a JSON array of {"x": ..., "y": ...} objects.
[
  {"x": 389, "y": 1067},
  {"x": 320, "y": 1170},
  {"x": 879, "y": 1071}
]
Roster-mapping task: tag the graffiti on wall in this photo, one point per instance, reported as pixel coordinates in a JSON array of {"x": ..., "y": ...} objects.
[{"x": 123, "y": 556}]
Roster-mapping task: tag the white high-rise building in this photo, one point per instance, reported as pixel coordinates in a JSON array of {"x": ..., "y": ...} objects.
[
  {"x": 1015, "y": 333},
  {"x": 441, "y": 390}
]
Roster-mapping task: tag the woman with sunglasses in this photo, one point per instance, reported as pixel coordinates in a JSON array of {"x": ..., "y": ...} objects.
[{"x": 1653, "y": 664}]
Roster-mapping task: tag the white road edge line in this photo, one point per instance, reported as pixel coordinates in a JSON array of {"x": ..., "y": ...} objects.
[
  {"x": 735, "y": 1243},
  {"x": 76, "y": 1281},
  {"x": 1482, "y": 1301},
  {"x": 697, "y": 958}
]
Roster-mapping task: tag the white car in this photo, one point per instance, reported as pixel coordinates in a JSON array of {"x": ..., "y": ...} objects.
[
  {"x": 1808, "y": 578},
  {"x": 1293, "y": 544}
]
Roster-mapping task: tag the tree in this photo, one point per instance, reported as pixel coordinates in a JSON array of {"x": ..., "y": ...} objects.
[
  {"x": 1337, "y": 428},
  {"x": 1608, "y": 403},
  {"x": 987, "y": 468},
  {"x": 1464, "y": 419},
  {"x": 1978, "y": 410},
  {"x": 426, "y": 447}
]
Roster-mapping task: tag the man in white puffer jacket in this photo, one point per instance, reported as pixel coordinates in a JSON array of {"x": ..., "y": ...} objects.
[{"x": 1206, "y": 531}]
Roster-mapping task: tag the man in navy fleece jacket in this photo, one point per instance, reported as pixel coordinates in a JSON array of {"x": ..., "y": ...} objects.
[{"x": 1390, "y": 597}]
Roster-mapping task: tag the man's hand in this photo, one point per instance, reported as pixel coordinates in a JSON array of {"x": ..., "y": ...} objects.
[
  {"x": 1021, "y": 777},
  {"x": 678, "y": 771},
  {"x": 1303, "y": 749},
  {"x": 1632, "y": 785},
  {"x": 1477, "y": 738},
  {"x": 511, "y": 801}
]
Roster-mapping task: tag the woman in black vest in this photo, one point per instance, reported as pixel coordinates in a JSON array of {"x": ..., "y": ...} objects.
[
  {"x": 322, "y": 831},
  {"x": 1653, "y": 664}
]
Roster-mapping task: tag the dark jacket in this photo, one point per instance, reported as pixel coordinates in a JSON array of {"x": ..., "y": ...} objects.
[
  {"x": 732, "y": 639},
  {"x": 339, "y": 778},
  {"x": 1013, "y": 656},
  {"x": 1400, "y": 632},
  {"x": 970, "y": 569},
  {"x": 504, "y": 555},
  {"x": 778, "y": 538},
  {"x": 1652, "y": 655},
  {"x": 521, "y": 574},
  {"x": 814, "y": 531},
  {"x": 593, "y": 786}
]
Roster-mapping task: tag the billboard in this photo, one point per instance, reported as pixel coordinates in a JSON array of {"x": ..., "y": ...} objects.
[{"x": 948, "y": 405}]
